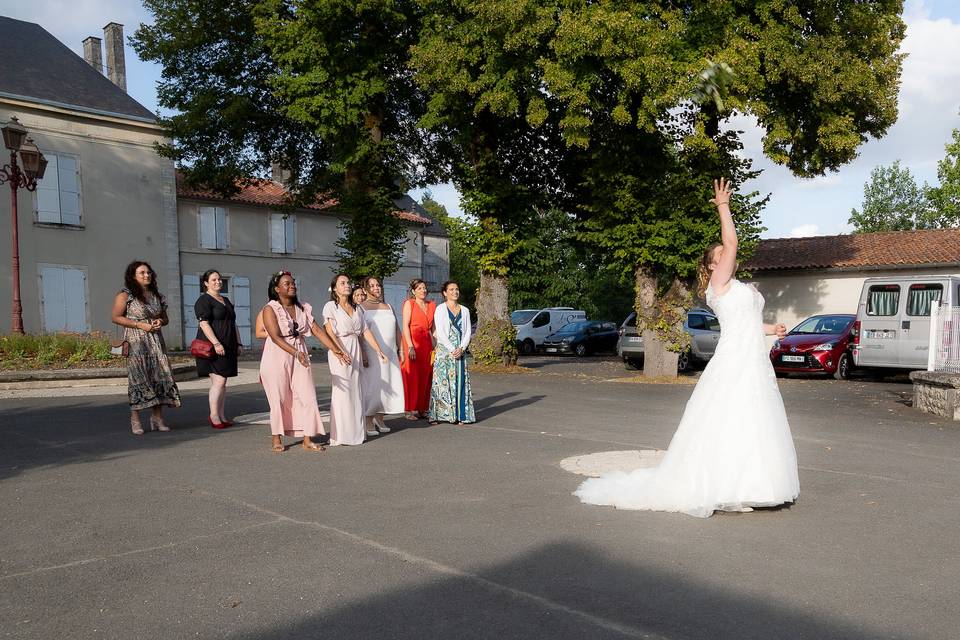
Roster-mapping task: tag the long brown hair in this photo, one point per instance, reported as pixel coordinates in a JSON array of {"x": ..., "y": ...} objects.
[{"x": 703, "y": 268}]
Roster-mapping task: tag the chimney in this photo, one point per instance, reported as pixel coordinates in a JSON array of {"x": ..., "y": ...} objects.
[
  {"x": 92, "y": 53},
  {"x": 116, "y": 67}
]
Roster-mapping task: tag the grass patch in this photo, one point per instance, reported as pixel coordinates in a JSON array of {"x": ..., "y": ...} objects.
[
  {"x": 498, "y": 368},
  {"x": 658, "y": 379},
  {"x": 57, "y": 351}
]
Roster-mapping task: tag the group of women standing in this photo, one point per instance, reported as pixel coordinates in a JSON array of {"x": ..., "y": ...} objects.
[{"x": 378, "y": 366}]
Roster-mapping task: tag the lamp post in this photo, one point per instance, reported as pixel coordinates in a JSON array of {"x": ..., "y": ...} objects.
[{"x": 34, "y": 164}]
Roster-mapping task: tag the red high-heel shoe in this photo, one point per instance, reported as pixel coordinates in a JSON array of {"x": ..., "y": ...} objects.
[
  {"x": 227, "y": 423},
  {"x": 216, "y": 425}
]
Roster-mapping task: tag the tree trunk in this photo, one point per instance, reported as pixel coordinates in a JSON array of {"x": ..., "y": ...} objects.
[
  {"x": 492, "y": 298},
  {"x": 660, "y": 349},
  {"x": 495, "y": 334}
]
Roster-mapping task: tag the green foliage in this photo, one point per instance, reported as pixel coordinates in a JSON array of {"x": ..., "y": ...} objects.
[
  {"x": 464, "y": 263},
  {"x": 319, "y": 86},
  {"x": 56, "y": 351},
  {"x": 495, "y": 342},
  {"x": 945, "y": 198},
  {"x": 892, "y": 201}
]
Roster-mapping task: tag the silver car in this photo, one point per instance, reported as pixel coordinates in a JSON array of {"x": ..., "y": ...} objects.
[{"x": 701, "y": 324}]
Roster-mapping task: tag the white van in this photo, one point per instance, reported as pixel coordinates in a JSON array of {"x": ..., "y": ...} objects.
[
  {"x": 893, "y": 319},
  {"x": 533, "y": 325}
]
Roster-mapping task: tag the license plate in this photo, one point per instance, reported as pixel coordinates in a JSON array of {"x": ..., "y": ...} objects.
[
  {"x": 882, "y": 334},
  {"x": 635, "y": 339},
  {"x": 551, "y": 349},
  {"x": 792, "y": 358}
]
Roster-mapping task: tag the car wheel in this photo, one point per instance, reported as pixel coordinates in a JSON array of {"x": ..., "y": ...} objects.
[
  {"x": 780, "y": 374},
  {"x": 631, "y": 365},
  {"x": 527, "y": 347},
  {"x": 683, "y": 362},
  {"x": 843, "y": 367},
  {"x": 580, "y": 350}
]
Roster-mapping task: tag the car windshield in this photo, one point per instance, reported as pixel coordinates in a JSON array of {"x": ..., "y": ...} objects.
[
  {"x": 518, "y": 318},
  {"x": 831, "y": 325},
  {"x": 574, "y": 327}
]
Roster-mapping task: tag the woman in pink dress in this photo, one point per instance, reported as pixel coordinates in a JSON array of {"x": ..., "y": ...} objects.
[
  {"x": 344, "y": 324},
  {"x": 285, "y": 364}
]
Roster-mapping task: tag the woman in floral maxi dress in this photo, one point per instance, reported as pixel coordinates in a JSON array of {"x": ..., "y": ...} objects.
[
  {"x": 142, "y": 311},
  {"x": 450, "y": 396}
]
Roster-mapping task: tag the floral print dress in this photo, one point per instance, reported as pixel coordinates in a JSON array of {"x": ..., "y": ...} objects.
[{"x": 149, "y": 377}]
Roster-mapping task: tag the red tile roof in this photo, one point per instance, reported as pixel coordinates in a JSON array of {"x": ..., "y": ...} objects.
[
  {"x": 881, "y": 249},
  {"x": 267, "y": 193}
]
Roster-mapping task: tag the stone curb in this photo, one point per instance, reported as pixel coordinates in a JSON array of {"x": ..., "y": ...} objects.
[{"x": 80, "y": 377}]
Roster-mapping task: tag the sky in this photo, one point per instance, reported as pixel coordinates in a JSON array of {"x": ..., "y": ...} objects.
[{"x": 929, "y": 106}]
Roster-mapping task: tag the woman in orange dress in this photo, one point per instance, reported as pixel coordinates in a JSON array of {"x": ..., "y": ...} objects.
[{"x": 415, "y": 365}]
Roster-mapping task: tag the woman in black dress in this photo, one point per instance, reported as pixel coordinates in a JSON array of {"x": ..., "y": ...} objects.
[{"x": 218, "y": 324}]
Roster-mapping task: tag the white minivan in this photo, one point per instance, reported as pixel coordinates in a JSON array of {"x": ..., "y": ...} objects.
[
  {"x": 893, "y": 319},
  {"x": 533, "y": 325}
]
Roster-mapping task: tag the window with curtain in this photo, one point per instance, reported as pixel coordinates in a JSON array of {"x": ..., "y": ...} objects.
[
  {"x": 883, "y": 300},
  {"x": 920, "y": 298}
]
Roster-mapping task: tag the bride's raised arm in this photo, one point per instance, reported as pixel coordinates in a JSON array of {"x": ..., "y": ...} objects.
[{"x": 725, "y": 257}]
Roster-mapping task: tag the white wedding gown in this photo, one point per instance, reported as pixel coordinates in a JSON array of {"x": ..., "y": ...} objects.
[{"x": 733, "y": 448}]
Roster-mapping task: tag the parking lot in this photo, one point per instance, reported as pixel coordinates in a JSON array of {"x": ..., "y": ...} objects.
[{"x": 472, "y": 532}]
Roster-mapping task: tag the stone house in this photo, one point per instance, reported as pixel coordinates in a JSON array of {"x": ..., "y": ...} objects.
[
  {"x": 106, "y": 198},
  {"x": 800, "y": 277}
]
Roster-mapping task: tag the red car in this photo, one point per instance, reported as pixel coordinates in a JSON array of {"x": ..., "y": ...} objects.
[{"x": 819, "y": 344}]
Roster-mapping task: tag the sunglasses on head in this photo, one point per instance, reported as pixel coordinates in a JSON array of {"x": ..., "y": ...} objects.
[{"x": 281, "y": 273}]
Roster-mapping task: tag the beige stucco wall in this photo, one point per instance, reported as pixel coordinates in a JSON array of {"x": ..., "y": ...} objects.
[
  {"x": 248, "y": 253},
  {"x": 127, "y": 206},
  {"x": 792, "y": 296}
]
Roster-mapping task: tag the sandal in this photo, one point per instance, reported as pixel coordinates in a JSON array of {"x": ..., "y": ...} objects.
[
  {"x": 135, "y": 426},
  {"x": 310, "y": 445},
  {"x": 278, "y": 447},
  {"x": 157, "y": 424}
]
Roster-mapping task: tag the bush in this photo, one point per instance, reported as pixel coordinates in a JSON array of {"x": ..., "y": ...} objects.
[
  {"x": 495, "y": 343},
  {"x": 56, "y": 351}
]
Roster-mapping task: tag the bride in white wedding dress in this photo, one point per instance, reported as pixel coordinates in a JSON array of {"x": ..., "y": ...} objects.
[{"x": 733, "y": 449}]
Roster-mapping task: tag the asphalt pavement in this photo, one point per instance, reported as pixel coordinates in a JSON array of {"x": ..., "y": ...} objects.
[{"x": 471, "y": 532}]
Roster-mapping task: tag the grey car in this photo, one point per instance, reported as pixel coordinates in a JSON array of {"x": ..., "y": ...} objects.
[{"x": 701, "y": 324}]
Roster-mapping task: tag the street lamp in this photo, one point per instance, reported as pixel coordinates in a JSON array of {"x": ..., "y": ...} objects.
[{"x": 34, "y": 165}]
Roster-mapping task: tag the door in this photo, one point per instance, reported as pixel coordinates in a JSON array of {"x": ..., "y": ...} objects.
[
  {"x": 240, "y": 288},
  {"x": 63, "y": 300},
  {"x": 914, "y": 339},
  {"x": 880, "y": 326},
  {"x": 704, "y": 333},
  {"x": 540, "y": 327},
  {"x": 191, "y": 292}
]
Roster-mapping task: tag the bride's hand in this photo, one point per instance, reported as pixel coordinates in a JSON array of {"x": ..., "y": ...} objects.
[
  {"x": 721, "y": 192},
  {"x": 780, "y": 330}
]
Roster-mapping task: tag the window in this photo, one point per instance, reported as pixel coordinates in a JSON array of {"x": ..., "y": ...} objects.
[
  {"x": 542, "y": 319},
  {"x": 63, "y": 299},
  {"x": 631, "y": 320},
  {"x": 883, "y": 300},
  {"x": 213, "y": 228},
  {"x": 58, "y": 194},
  {"x": 920, "y": 297},
  {"x": 695, "y": 321},
  {"x": 283, "y": 231},
  {"x": 712, "y": 323}
]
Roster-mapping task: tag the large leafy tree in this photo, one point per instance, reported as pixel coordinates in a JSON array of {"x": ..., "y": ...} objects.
[
  {"x": 463, "y": 257},
  {"x": 320, "y": 87},
  {"x": 645, "y": 87},
  {"x": 893, "y": 201},
  {"x": 945, "y": 197}
]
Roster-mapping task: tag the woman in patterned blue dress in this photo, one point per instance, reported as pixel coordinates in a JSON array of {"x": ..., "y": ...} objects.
[{"x": 450, "y": 397}]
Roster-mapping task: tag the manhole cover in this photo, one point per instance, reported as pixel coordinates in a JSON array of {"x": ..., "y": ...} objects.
[{"x": 597, "y": 464}]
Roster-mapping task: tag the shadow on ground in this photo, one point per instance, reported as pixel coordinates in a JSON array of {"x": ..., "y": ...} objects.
[{"x": 570, "y": 590}]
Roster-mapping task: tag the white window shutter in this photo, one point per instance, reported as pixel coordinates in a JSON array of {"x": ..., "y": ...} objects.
[
  {"x": 221, "y": 220},
  {"x": 54, "y": 299},
  {"x": 48, "y": 193},
  {"x": 75, "y": 296},
  {"x": 68, "y": 171},
  {"x": 191, "y": 291},
  {"x": 277, "y": 241},
  {"x": 290, "y": 233},
  {"x": 241, "y": 305}
]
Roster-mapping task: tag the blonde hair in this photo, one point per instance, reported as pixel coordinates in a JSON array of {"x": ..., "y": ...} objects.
[{"x": 703, "y": 268}]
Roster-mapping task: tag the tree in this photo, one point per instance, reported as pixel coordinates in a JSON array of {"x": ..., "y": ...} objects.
[
  {"x": 320, "y": 87},
  {"x": 945, "y": 198},
  {"x": 463, "y": 258},
  {"x": 892, "y": 201},
  {"x": 645, "y": 87}
]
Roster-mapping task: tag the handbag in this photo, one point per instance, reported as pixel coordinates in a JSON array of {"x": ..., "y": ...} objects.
[
  {"x": 202, "y": 349},
  {"x": 119, "y": 345}
]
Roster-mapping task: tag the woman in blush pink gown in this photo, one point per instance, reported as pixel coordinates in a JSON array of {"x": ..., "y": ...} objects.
[
  {"x": 285, "y": 364},
  {"x": 344, "y": 324}
]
